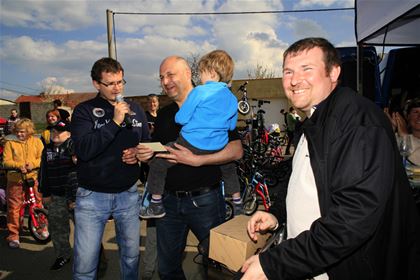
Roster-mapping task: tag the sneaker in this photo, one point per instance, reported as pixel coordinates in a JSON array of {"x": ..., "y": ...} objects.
[
  {"x": 154, "y": 210},
  {"x": 14, "y": 244},
  {"x": 238, "y": 209},
  {"x": 59, "y": 263}
]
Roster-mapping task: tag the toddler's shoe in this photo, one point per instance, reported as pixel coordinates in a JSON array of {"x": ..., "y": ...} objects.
[
  {"x": 238, "y": 209},
  {"x": 154, "y": 210}
]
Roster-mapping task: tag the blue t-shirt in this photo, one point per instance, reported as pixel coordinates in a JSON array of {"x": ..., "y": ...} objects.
[{"x": 207, "y": 114}]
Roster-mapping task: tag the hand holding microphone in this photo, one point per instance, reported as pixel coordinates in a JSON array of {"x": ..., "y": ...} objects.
[{"x": 121, "y": 111}]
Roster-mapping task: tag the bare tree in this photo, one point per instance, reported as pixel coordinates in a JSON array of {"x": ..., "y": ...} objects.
[
  {"x": 193, "y": 60},
  {"x": 261, "y": 72}
]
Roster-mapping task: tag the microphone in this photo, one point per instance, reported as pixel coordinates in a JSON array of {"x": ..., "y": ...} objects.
[{"x": 127, "y": 118}]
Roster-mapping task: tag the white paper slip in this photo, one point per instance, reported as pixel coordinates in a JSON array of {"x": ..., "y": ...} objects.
[{"x": 155, "y": 146}]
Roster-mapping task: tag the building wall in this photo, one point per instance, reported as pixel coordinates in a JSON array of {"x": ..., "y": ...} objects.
[{"x": 5, "y": 110}]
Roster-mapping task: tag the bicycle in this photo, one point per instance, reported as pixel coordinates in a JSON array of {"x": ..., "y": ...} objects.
[
  {"x": 37, "y": 215},
  {"x": 243, "y": 104},
  {"x": 258, "y": 187}
]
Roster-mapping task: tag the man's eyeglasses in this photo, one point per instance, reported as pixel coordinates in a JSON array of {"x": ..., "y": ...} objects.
[{"x": 113, "y": 84}]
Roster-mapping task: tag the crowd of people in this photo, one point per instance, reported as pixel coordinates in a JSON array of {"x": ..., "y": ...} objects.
[{"x": 348, "y": 211}]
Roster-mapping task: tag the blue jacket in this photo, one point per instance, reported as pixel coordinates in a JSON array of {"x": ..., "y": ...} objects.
[
  {"x": 207, "y": 114},
  {"x": 99, "y": 143}
]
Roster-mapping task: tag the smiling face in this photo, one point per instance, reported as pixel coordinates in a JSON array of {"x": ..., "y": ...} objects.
[
  {"x": 175, "y": 78},
  {"x": 22, "y": 134},
  {"x": 51, "y": 118},
  {"x": 153, "y": 104},
  {"x": 114, "y": 88},
  {"x": 305, "y": 79}
]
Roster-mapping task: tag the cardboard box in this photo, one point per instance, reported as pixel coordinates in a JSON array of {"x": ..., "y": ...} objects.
[{"x": 231, "y": 245}]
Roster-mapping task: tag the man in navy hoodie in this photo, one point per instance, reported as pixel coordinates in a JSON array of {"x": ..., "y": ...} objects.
[{"x": 107, "y": 170}]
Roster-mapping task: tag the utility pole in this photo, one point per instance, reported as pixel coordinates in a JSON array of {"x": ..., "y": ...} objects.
[{"x": 110, "y": 27}]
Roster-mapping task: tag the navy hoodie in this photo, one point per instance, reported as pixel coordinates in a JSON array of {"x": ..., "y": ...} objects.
[{"x": 99, "y": 143}]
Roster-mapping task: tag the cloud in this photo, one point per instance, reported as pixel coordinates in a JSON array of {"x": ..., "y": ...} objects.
[
  {"x": 45, "y": 14},
  {"x": 324, "y": 3},
  {"x": 142, "y": 41},
  {"x": 303, "y": 28},
  {"x": 10, "y": 95},
  {"x": 51, "y": 86}
]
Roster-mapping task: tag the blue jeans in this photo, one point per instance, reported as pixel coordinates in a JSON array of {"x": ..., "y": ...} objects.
[
  {"x": 91, "y": 214},
  {"x": 198, "y": 214}
]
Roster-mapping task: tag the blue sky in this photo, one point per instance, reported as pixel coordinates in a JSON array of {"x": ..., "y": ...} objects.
[{"x": 51, "y": 45}]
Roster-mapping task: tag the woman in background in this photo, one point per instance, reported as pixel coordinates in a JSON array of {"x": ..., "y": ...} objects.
[{"x": 52, "y": 117}]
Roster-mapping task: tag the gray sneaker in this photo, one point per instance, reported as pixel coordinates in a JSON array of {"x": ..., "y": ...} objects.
[
  {"x": 154, "y": 210},
  {"x": 238, "y": 209}
]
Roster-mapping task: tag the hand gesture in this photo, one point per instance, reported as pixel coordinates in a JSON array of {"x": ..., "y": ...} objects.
[
  {"x": 260, "y": 222},
  {"x": 180, "y": 154},
  {"x": 120, "y": 109},
  {"x": 29, "y": 166},
  {"x": 129, "y": 156},
  {"x": 252, "y": 269},
  {"x": 144, "y": 153}
]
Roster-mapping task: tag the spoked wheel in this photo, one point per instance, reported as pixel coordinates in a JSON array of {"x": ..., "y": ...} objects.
[
  {"x": 229, "y": 210},
  {"x": 283, "y": 140},
  {"x": 259, "y": 147},
  {"x": 40, "y": 233},
  {"x": 250, "y": 206},
  {"x": 243, "y": 107}
]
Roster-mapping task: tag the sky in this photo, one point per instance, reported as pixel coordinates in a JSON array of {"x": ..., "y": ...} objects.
[{"x": 49, "y": 45}]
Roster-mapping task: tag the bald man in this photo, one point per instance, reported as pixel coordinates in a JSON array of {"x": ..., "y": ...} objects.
[{"x": 192, "y": 199}]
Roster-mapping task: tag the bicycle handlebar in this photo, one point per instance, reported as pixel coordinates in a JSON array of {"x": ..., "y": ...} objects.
[{"x": 243, "y": 86}]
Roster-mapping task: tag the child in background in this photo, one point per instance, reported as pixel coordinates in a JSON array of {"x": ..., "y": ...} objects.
[
  {"x": 58, "y": 184},
  {"x": 206, "y": 116}
]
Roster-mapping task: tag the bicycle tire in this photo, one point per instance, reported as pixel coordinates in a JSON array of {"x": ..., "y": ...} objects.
[
  {"x": 283, "y": 141},
  {"x": 259, "y": 147},
  {"x": 250, "y": 206},
  {"x": 41, "y": 215},
  {"x": 243, "y": 107},
  {"x": 229, "y": 210}
]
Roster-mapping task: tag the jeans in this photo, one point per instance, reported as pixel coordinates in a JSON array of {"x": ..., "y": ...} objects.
[
  {"x": 91, "y": 214},
  {"x": 198, "y": 214}
]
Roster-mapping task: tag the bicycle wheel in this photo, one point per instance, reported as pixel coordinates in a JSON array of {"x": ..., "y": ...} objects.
[
  {"x": 250, "y": 206},
  {"x": 259, "y": 147},
  {"x": 40, "y": 233},
  {"x": 283, "y": 141},
  {"x": 243, "y": 107},
  {"x": 229, "y": 210}
]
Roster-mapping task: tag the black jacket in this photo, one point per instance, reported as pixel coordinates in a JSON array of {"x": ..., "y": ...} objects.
[
  {"x": 99, "y": 143},
  {"x": 58, "y": 172},
  {"x": 369, "y": 226}
]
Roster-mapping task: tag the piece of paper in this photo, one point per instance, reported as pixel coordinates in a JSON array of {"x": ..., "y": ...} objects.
[{"x": 155, "y": 146}]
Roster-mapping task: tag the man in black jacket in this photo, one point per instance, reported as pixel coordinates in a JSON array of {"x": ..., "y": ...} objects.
[
  {"x": 350, "y": 214},
  {"x": 107, "y": 170}
]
